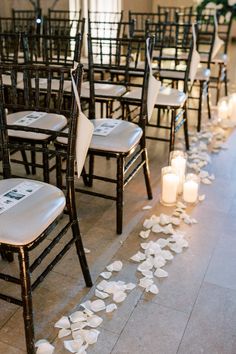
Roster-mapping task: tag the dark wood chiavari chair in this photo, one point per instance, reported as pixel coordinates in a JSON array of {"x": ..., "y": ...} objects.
[
  {"x": 111, "y": 29},
  {"x": 174, "y": 11},
  {"x": 140, "y": 19},
  {"x": 220, "y": 60},
  {"x": 64, "y": 14},
  {"x": 125, "y": 144},
  {"x": 25, "y": 225},
  {"x": 105, "y": 16},
  {"x": 173, "y": 69},
  {"x": 62, "y": 26},
  {"x": 27, "y": 20},
  {"x": 205, "y": 42},
  {"x": 52, "y": 49}
]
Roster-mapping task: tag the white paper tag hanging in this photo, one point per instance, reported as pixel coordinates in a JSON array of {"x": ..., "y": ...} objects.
[
  {"x": 195, "y": 60},
  {"x": 218, "y": 42},
  {"x": 84, "y": 133},
  {"x": 153, "y": 87}
]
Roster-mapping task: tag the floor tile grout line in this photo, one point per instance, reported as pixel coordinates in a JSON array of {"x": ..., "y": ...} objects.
[
  {"x": 131, "y": 313},
  {"x": 197, "y": 295}
]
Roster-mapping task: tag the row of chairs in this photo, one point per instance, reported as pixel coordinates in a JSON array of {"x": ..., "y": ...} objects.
[
  {"x": 42, "y": 215},
  {"x": 122, "y": 66},
  {"x": 38, "y": 214}
]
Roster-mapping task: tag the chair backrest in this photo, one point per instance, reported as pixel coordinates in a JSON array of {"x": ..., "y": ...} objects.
[
  {"x": 111, "y": 29},
  {"x": 64, "y": 15},
  {"x": 225, "y": 21},
  {"x": 9, "y": 47},
  {"x": 140, "y": 19},
  {"x": 173, "y": 46},
  {"x": 52, "y": 50},
  {"x": 61, "y": 26},
  {"x": 6, "y": 25},
  {"x": 27, "y": 21},
  {"x": 120, "y": 58},
  {"x": 32, "y": 97},
  {"x": 173, "y": 11},
  {"x": 105, "y": 16},
  {"x": 19, "y": 14},
  {"x": 206, "y": 32}
]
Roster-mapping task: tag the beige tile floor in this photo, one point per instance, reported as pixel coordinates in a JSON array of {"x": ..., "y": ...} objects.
[{"x": 195, "y": 311}]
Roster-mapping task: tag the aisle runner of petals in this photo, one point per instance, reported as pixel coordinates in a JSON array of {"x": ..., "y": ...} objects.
[{"x": 80, "y": 328}]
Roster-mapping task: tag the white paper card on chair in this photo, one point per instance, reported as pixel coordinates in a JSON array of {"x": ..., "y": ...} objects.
[
  {"x": 217, "y": 42},
  {"x": 30, "y": 118},
  {"x": 17, "y": 194},
  {"x": 153, "y": 86},
  {"x": 194, "y": 65},
  {"x": 153, "y": 89},
  {"x": 84, "y": 132},
  {"x": 84, "y": 135},
  {"x": 106, "y": 128},
  {"x": 195, "y": 60}
]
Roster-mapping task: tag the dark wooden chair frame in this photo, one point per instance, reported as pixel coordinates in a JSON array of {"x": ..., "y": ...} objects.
[
  {"x": 180, "y": 37},
  {"x": 127, "y": 164},
  {"x": 26, "y": 269}
]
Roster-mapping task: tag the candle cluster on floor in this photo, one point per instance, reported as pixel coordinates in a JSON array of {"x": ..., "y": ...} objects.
[{"x": 80, "y": 328}]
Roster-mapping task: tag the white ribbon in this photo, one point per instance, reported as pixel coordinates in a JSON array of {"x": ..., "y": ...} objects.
[
  {"x": 217, "y": 41},
  {"x": 84, "y": 132},
  {"x": 153, "y": 86},
  {"x": 195, "y": 60}
]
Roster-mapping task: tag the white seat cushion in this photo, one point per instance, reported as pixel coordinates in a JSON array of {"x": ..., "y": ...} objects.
[
  {"x": 203, "y": 74},
  {"x": 167, "y": 96},
  {"x": 121, "y": 139},
  {"x": 172, "y": 74},
  {"x": 219, "y": 58},
  {"x": 103, "y": 90},
  {"x": 25, "y": 221},
  {"x": 50, "y": 121}
]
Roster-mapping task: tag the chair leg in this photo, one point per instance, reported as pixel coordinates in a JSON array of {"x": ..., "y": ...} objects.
[
  {"x": 91, "y": 169},
  {"x": 186, "y": 128},
  {"x": 199, "y": 119},
  {"x": 81, "y": 254},
  {"x": 208, "y": 102},
  {"x": 225, "y": 80},
  {"x": 119, "y": 194},
  {"x": 146, "y": 172},
  {"x": 27, "y": 300},
  {"x": 218, "y": 84},
  {"x": 24, "y": 158},
  {"x": 172, "y": 131},
  {"x": 33, "y": 161},
  {"x": 58, "y": 172},
  {"x": 45, "y": 166}
]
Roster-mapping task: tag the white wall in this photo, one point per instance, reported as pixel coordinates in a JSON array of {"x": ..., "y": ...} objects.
[
  {"x": 7, "y": 5},
  {"x": 137, "y": 5},
  {"x": 171, "y": 3}
]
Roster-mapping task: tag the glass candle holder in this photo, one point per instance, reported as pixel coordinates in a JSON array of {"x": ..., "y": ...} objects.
[
  {"x": 232, "y": 107},
  {"x": 178, "y": 160},
  {"x": 190, "y": 188},
  {"x": 223, "y": 108},
  {"x": 169, "y": 185}
]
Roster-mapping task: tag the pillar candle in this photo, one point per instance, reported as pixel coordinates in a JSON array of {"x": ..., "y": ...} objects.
[
  {"x": 170, "y": 182},
  {"x": 223, "y": 109},
  {"x": 232, "y": 106},
  {"x": 179, "y": 163},
  {"x": 190, "y": 191}
]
